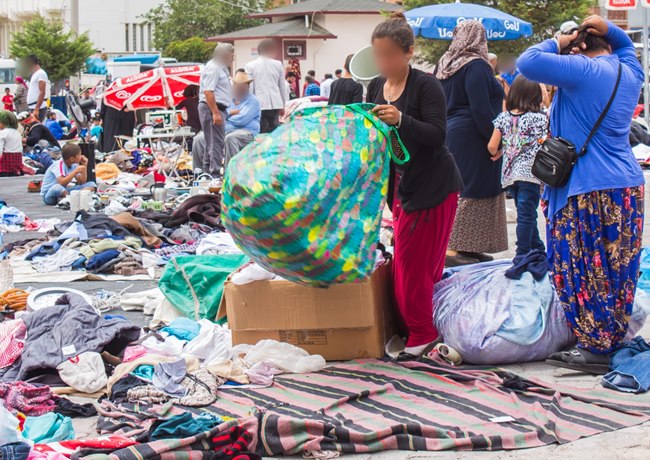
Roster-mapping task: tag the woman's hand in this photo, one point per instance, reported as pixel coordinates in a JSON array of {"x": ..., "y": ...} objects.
[
  {"x": 498, "y": 155},
  {"x": 387, "y": 113},
  {"x": 596, "y": 25}
]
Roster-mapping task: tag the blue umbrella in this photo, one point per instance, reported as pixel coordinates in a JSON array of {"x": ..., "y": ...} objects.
[{"x": 438, "y": 21}]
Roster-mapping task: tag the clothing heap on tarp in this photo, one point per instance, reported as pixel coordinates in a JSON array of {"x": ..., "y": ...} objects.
[
  {"x": 132, "y": 241},
  {"x": 13, "y": 220}
]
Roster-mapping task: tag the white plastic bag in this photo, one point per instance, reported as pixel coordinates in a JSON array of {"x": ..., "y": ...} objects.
[{"x": 285, "y": 357}]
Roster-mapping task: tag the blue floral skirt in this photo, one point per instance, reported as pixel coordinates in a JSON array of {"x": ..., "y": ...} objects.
[{"x": 594, "y": 248}]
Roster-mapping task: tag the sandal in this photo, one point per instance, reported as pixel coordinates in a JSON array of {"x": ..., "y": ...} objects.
[
  {"x": 406, "y": 356},
  {"x": 578, "y": 359},
  {"x": 477, "y": 255},
  {"x": 459, "y": 260}
]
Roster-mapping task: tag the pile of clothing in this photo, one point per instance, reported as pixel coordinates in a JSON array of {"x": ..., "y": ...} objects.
[{"x": 14, "y": 220}]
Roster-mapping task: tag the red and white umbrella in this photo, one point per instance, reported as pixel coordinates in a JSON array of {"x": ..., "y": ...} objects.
[{"x": 154, "y": 89}]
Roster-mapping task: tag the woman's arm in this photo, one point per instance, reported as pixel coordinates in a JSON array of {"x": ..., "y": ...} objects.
[
  {"x": 495, "y": 142},
  {"x": 432, "y": 128},
  {"x": 541, "y": 63},
  {"x": 479, "y": 84},
  {"x": 623, "y": 47}
]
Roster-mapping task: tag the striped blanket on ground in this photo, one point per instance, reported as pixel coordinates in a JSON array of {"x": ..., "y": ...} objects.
[{"x": 371, "y": 406}]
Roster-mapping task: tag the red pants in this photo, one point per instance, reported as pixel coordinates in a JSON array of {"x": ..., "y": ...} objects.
[{"x": 421, "y": 239}]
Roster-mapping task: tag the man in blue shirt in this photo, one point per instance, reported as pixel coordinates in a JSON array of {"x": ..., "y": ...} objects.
[
  {"x": 243, "y": 121},
  {"x": 510, "y": 71}
]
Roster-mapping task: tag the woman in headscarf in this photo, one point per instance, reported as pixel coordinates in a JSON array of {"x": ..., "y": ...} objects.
[
  {"x": 11, "y": 145},
  {"x": 474, "y": 99},
  {"x": 20, "y": 96}
]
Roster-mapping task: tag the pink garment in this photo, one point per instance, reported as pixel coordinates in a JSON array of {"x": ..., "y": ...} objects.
[
  {"x": 134, "y": 352},
  {"x": 421, "y": 239},
  {"x": 12, "y": 337}
]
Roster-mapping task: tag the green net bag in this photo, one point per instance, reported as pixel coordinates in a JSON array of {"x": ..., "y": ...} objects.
[{"x": 305, "y": 201}]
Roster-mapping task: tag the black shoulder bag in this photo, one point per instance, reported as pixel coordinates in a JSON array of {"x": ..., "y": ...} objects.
[{"x": 555, "y": 159}]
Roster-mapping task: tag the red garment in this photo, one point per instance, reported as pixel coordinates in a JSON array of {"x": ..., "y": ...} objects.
[
  {"x": 421, "y": 239},
  {"x": 11, "y": 163},
  {"x": 8, "y": 101},
  {"x": 67, "y": 448},
  {"x": 27, "y": 398}
]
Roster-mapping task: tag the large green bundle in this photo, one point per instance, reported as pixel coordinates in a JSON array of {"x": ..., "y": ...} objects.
[{"x": 305, "y": 201}]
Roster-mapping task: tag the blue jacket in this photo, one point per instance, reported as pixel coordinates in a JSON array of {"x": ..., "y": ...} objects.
[
  {"x": 585, "y": 85},
  {"x": 55, "y": 129},
  {"x": 248, "y": 117}
]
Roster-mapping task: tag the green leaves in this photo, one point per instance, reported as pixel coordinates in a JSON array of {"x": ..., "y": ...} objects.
[
  {"x": 546, "y": 16},
  {"x": 193, "y": 49},
  {"x": 62, "y": 54},
  {"x": 178, "y": 20}
]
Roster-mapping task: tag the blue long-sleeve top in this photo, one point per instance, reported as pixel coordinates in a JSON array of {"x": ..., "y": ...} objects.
[
  {"x": 584, "y": 88},
  {"x": 248, "y": 117}
]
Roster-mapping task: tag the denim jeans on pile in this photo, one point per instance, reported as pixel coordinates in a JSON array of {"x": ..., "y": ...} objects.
[
  {"x": 15, "y": 451},
  {"x": 526, "y": 196},
  {"x": 630, "y": 367}
]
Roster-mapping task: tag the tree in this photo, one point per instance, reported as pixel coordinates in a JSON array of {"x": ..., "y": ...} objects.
[
  {"x": 546, "y": 16},
  {"x": 177, "y": 20},
  {"x": 193, "y": 49},
  {"x": 61, "y": 53}
]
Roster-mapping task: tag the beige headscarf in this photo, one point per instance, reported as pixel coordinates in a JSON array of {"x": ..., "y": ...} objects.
[{"x": 468, "y": 44}]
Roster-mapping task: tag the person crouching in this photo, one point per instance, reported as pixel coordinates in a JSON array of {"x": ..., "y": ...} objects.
[{"x": 65, "y": 175}]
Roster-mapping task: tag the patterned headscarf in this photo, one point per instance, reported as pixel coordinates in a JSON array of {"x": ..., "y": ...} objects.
[
  {"x": 468, "y": 44},
  {"x": 8, "y": 119}
]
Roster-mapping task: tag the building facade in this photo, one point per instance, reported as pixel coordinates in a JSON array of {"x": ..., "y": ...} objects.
[{"x": 114, "y": 26}]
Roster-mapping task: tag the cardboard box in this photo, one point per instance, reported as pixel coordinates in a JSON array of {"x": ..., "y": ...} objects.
[{"x": 342, "y": 322}]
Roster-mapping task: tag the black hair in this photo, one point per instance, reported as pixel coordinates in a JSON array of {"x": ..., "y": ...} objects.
[
  {"x": 33, "y": 59},
  {"x": 311, "y": 72},
  {"x": 328, "y": 75},
  {"x": 191, "y": 91},
  {"x": 338, "y": 72},
  {"x": 241, "y": 69},
  {"x": 290, "y": 74},
  {"x": 591, "y": 42},
  {"x": 347, "y": 62},
  {"x": 524, "y": 96},
  {"x": 309, "y": 79},
  {"x": 70, "y": 150},
  {"x": 7, "y": 89},
  {"x": 396, "y": 29}
]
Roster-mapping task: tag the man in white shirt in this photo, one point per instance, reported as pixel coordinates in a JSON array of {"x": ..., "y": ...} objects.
[
  {"x": 268, "y": 85},
  {"x": 215, "y": 96},
  {"x": 326, "y": 85},
  {"x": 39, "y": 86}
]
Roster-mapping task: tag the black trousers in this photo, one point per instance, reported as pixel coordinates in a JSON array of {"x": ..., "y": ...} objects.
[{"x": 269, "y": 120}]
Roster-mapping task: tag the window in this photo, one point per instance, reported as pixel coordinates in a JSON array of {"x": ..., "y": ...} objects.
[
  {"x": 142, "y": 48},
  {"x": 149, "y": 37},
  {"x": 7, "y": 76},
  {"x": 134, "y": 34},
  {"x": 296, "y": 49},
  {"x": 126, "y": 37}
]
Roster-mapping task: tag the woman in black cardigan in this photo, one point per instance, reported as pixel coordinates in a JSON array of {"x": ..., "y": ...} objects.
[{"x": 424, "y": 191}]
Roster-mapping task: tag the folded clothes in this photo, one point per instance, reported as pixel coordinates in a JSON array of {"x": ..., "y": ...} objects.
[
  {"x": 27, "y": 398},
  {"x": 630, "y": 367},
  {"x": 183, "y": 328},
  {"x": 183, "y": 426},
  {"x": 534, "y": 262},
  {"x": 49, "y": 427}
]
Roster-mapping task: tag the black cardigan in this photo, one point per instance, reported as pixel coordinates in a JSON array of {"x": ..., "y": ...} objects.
[{"x": 431, "y": 175}]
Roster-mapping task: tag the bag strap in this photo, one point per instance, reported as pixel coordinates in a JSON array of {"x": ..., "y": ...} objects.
[
  {"x": 583, "y": 150},
  {"x": 363, "y": 109}
]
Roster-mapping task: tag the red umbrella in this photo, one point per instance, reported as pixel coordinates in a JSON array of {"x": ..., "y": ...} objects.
[{"x": 154, "y": 89}]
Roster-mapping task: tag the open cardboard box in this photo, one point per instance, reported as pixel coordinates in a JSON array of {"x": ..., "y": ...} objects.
[{"x": 341, "y": 322}]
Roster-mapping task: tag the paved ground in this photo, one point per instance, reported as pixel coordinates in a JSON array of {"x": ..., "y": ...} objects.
[{"x": 629, "y": 444}]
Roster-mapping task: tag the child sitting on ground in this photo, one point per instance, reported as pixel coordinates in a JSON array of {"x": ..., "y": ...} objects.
[
  {"x": 520, "y": 129},
  {"x": 70, "y": 169}
]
